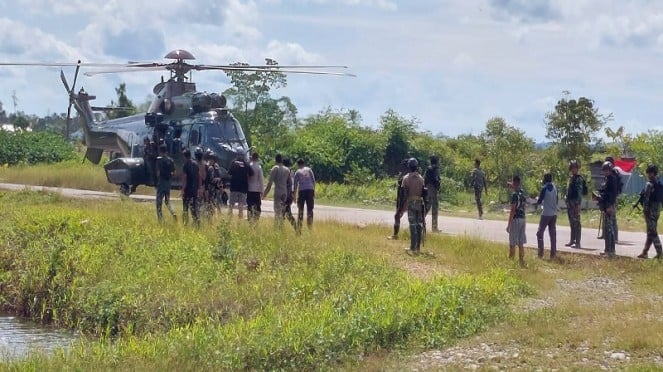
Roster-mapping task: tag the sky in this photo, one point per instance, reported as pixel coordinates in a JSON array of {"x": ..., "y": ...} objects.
[{"x": 450, "y": 64}]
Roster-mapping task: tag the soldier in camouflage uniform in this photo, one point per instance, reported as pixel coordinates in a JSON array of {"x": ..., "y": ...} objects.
[
  {"x": 517, "y": 222},
  {"x": 479, "y": 184},
  {"x": 651, "y": 208},
  {"x": 607, "y": 198},
  {"x": 573, "y": 200},
  {"x": 401, "y": 206},
  {"x": 413, "y": 185}
]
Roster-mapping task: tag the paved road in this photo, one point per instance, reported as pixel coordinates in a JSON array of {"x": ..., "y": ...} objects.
[{"x": 631, "y": 243}]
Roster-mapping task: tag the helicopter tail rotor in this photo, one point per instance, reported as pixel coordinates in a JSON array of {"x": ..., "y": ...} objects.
[{"x": 71, "y": 93}]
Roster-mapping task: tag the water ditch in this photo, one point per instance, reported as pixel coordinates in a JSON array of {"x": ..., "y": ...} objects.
[{"x": 19, "y": 338}]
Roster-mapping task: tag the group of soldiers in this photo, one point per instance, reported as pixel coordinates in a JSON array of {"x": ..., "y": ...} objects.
[
  {"x": 203, "y": 185},
  {"x": 418, "y": 195}
]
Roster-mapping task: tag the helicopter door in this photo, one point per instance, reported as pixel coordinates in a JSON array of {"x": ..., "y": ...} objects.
[{"x": 196, "y": 135}]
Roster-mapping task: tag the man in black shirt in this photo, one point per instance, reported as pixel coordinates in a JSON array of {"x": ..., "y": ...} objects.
[
  {"x": 190, "y": 186},
  {"x": 165, "y": 168},
  {"x": 607, "y": 198},
  {"x": 239, "y": 172}
]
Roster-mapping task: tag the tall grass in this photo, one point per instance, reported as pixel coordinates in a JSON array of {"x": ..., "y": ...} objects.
[{"x": 227, "y": 296}]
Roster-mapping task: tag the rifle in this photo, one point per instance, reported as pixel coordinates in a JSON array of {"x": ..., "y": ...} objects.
[
  {"x": 423, "y": 222},
  {"x": 639, "y": 202}
]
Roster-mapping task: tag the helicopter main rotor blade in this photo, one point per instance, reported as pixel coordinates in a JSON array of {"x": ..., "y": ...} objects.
[
  {"x": 125, "y": 68},
  {"x": 271, "y": 69},
  {"x": 62, "y": 64}
]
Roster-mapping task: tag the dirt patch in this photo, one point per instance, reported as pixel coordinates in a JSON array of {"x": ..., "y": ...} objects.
[{"x": 484, "y": 352}]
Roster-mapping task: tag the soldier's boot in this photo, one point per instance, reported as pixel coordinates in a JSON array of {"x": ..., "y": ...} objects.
[
  {"x": 414, "y": 237},
  {"x": 645, "y": 251},
  {"x": 578, "y": 235},
  {"x": 572, "y": 236},
  {"x": 659, "y": 251},
  {"x": 420, "y": 236}
]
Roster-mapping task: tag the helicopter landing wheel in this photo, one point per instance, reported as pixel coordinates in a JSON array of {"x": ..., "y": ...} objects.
[{"x": 125, "y": 189}]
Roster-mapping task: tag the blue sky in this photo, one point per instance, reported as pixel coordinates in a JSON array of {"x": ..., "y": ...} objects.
[{"x": 452, "y": 65}]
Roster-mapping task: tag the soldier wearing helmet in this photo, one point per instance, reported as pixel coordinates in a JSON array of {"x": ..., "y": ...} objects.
[
  {"x": 618, "y": 190},
  {"x": 607, "y": 198},
  {"x": 413, "y": 188},
  {"x": 651, "y": 198},
  {"x": 573, "y": 200}
]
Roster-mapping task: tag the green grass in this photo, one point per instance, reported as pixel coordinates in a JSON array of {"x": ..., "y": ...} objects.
[{"x": 234, "y": 296}]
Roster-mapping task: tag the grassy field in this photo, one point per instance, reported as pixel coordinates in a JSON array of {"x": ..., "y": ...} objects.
[{"x": 231, "y": 296}]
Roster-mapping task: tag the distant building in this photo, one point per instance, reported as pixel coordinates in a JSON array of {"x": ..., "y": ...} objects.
[{"x": 11, "y": 128}]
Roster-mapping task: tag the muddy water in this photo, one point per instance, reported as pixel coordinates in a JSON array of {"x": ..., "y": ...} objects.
[{"x": 18, "y": 338}]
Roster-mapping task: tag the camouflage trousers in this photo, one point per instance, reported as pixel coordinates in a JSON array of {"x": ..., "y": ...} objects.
[
  {"x": 573, "y": 212},
  {"x": 609, "y": 232},
  {"x": 651, "y": 219},
  {"x": 415, "y": 216},
  {"x": 477, "y": 198}
]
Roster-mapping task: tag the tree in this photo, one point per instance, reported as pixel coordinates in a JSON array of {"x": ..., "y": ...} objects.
[
  {"x": 574, "y": 125},
  {"x": 398, "y": 132},
  {"x": 3, "y": 114},
  {"x": 250, "y": 89},
  {"x": 122, "y": 101},
  {"x": 20, "y": 121},
  {"x": 621, "y": 141},
  {"x": 507, "y": 149}
]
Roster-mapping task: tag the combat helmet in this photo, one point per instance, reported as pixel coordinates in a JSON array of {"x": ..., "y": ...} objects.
[
  {"x": 606, "y": 165},
  {"x": 198, "y": 153},
  {"x": 574, "y": 164}
]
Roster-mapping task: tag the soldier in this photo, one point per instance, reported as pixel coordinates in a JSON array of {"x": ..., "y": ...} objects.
[
  {"x": 432, "y": 182},
  {"x": 548, "y": 198},
  {"x": 516, "y": 225},
  {"x": 239, "y": 172},
  {"x": 287, "y": 205},
  {"x": 150, "y": 158},
  {"x": 213, "y": 183},
  {"x": 278, "y": 176},
  {"x": 479, "y": 184},
  {"x": 203, "y": 196},
  {"x": 304, "y": 188},
  {"x": 190, "y": 187},
  {"x": 165, "y": 170},
  {"x": 573, "y": 201},
  {"x": 256, "y": 185},
  {"x": 606, "y": 198},
  {"x": 650, "y": 198},
  {"x": 618, "y": 190},
  {"x": 413, "y": 185},
  {"x": 401, "y": 204}
]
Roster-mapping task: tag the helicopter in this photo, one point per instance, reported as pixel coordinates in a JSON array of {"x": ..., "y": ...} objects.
[{"x": 179, "y": 117}]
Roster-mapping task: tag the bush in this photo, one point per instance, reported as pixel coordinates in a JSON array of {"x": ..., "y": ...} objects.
[{"x": 33, "y": 148}]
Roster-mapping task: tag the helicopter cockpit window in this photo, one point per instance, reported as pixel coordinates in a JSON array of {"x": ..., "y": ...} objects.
[{"x": 227, "y": 130}]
